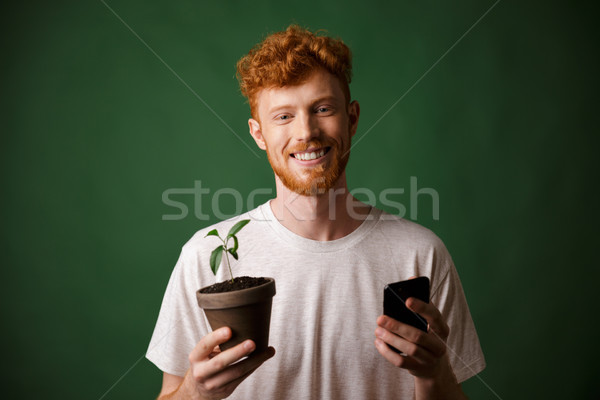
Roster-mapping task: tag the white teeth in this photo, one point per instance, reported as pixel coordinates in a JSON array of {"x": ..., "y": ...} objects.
[{"x": 310, "y": 156}]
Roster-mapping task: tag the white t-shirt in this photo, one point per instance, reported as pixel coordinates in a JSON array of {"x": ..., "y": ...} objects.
[{"x": 329, "y": 295}]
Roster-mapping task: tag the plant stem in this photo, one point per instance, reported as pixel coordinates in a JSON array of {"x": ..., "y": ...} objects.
[
  {"x": 228, "y": 265},
  {"x": 227, "y": 258}
]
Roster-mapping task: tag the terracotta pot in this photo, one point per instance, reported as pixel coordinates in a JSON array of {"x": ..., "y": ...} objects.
[{"x": 247, "y": 312}]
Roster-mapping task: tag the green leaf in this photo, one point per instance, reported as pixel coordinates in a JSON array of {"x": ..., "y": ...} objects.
[
  {"x": 215, "y": 259},
  {"x": 233, "y": 253},
  {"x": 237, "y": 227},
  {"x": 212, "y": 233},
  {"x": 235, "y": 243}
]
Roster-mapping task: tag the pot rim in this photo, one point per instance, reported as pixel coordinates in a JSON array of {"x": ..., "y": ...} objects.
[{"x": 237, "y": 298}]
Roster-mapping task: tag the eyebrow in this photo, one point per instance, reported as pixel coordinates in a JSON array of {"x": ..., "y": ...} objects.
[{"x": 320, "y": 99}]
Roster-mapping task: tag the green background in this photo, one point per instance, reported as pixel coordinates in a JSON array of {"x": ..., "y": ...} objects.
[{"x": 95, "y": 128}]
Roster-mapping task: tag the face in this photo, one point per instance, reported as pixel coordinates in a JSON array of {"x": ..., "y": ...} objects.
[{"x": 306, "y": 131}]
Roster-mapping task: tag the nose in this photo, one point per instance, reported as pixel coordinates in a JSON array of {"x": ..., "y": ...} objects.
[{"x": 307, "y": 128}]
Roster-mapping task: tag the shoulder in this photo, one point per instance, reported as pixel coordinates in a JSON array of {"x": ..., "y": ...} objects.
[
  {"x": 409, "y": 233},
  {"x": 412, "y": 241}
]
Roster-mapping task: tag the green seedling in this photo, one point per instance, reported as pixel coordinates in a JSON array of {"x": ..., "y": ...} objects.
[{"x": 217, "y": 254}]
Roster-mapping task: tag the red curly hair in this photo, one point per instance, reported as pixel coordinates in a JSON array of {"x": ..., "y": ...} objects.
[{"x": 287, "y": 58}]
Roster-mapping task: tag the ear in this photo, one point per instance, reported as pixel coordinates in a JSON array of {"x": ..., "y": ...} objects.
[
  {"x": 256, "y": 133},
  {"x": 353, "y": 114}
]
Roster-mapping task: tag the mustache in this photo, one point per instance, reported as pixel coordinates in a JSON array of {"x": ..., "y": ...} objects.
[{"x": 312, "y": 144}]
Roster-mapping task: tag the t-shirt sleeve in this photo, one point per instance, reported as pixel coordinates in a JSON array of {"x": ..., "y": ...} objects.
[
  {"x": 181, "y": 323},
  {"x": 464, "y": 350}
]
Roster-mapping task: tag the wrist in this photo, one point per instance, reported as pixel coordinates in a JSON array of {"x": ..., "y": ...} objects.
[
  {"x": 186, "y": 390},
  {"x": 441, "y": 386}
]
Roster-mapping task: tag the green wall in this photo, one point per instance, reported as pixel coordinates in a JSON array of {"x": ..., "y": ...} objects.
[{"x": 95, "y": 127}]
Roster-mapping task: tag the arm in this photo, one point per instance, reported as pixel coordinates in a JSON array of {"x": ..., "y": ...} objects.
[
  {"x": 211, "y": 375},
  {"x": 426, "y": 357},
  {"x": 170, "y": 385}
]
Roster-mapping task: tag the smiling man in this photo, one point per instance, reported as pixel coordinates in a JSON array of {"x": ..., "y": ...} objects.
[
  {"x": 330, "y": 255},
  {"x": 311, "y": 157}
]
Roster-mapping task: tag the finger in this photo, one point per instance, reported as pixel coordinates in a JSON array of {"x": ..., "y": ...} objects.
[
  {"x": 396, "y": 359},
  {"x": 239, "y": 371},
  {"x": 431, "y": 314},
  {"x": 207, "y": 344},
  {"x": 216, "y": 351},
  {"x": 226, "y": 358},
  {"x": 429, "y": 341},
  {"x": 230, "y": 387},
  {"x": 413, "y": 350}
]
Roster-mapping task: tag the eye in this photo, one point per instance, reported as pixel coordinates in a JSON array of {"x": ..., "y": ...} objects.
[
  {"x": 283, "y": 117},
  {"x": 326, "y": 109}
]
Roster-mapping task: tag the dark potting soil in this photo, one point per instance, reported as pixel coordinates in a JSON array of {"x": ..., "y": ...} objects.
[{"x": 242, "y": 282}]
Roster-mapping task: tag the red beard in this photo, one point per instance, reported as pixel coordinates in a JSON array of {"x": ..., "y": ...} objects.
[{"x": 314, "y": 180}]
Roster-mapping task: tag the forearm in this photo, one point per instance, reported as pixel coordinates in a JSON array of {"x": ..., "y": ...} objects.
[
  {"x": 175, "y": 395},
  {"x": 430, "y": 391},
  {"x": 443, "y": 386},
  {"x": 182, "y": 391}
]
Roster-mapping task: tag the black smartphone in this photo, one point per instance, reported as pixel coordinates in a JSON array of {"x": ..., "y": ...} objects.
[{"x": 395, "y": 296}]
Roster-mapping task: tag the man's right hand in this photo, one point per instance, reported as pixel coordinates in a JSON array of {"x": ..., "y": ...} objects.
[{"x": 211, "y": 375}]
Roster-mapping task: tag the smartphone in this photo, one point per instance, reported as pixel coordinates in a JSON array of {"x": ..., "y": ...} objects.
[{"x": 395, "y": 296}]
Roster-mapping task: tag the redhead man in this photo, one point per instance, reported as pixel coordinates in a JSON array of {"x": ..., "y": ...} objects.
[{"x": 330, "y": 255}]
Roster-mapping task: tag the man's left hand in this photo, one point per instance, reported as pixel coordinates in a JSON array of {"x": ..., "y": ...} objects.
[
  {"x": 425, "y": 355},
  {"x": 425, "y": 351}
]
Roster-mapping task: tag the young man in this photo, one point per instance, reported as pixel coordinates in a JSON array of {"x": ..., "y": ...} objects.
[{"x": 330, "y": 255}]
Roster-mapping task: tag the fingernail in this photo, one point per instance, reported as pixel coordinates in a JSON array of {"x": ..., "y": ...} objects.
[
  {"x": 249, "y": 345},
  {"x": 378, "y": 332}
]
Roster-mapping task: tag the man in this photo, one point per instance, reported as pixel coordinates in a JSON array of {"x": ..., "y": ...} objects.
[{"x": 330, "y": 255}]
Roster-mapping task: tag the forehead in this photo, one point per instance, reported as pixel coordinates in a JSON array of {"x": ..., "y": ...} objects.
[{"x": 319, "y": 84}]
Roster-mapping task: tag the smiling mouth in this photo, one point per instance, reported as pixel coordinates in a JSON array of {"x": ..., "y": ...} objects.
[{"x": 310, "y": 154}]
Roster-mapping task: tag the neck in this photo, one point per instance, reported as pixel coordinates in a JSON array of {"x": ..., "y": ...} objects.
[{"x": 328, "y": 216}]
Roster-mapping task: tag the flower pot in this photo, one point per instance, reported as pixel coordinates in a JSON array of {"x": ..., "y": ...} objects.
[{"x": 247, "y": 312}]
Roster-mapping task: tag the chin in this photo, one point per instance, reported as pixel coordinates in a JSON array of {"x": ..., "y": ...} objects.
[{"x": 314, "y": 183}]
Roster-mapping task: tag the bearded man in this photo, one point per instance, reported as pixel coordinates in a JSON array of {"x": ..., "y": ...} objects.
[{"x": 330, "y": 255}]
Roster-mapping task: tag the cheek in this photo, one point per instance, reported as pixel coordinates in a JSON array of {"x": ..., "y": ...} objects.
[
  {"x": 275, "y": 145},
  {"x": 340, "y": 127},
  {"x": 280, "y": 141},
  {"x": 342, "y": 135}
]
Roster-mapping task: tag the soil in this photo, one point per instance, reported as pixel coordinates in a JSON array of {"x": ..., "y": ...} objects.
[{"x": 242, "y": 282}]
